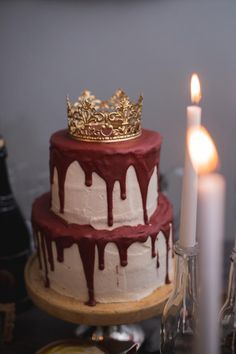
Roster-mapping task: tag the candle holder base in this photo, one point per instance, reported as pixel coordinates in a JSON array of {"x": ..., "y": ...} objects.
[{"x": 179, "y": 320}]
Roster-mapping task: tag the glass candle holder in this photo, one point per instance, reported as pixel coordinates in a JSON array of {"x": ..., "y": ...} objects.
[
  {"x": 228, "y": 312},
  {"x": 179, "y": 319}
]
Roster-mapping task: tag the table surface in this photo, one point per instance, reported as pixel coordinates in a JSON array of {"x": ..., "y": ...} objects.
[{"x": 35, "y": 328}]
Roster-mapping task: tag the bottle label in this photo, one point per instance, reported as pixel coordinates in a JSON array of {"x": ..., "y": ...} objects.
[
  {"x": 7, "y": 203},
  {"x": 12, "y": 284}
]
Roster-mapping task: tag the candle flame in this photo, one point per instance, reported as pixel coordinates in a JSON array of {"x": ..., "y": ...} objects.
[
  {"x": 195, "y": 89},
  {"x": 202, "y": 150}
]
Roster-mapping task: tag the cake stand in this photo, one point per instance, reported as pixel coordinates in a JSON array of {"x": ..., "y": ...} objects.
[{"x": 72, "y": 310}]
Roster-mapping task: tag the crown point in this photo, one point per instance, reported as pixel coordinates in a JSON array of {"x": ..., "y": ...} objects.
[{"x": 68, "y": 102}]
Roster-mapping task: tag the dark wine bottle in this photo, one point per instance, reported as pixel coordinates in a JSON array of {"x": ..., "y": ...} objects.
[{"x": 14, "y": 242}]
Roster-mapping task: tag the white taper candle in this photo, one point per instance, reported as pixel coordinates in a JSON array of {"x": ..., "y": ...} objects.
[
  {"x": 188, "y": 214},
  {"x": 210, "y": 231},
  {"x": 211, "y": 192}
]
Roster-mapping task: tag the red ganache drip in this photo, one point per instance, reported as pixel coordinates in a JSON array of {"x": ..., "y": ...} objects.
[
  {"x": 87, "y": 254},
  {"x": 49, "y": 251},
  {"x": 110, "y": 161},
  {"x": 153, "y": 239},
  {"x": 123, "y": 186},
  {"x": 166, "y": 233},
  {"x": 101, "y": 248},
  {"x": 38, "y": 248},
  {"x": 52, "y": 228},
  {"x": 158, "y": 263},
  {"x": 47, "y": 282}
]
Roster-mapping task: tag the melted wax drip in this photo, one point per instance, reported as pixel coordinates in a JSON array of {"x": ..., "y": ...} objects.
[{"x": 88, "y": 239}]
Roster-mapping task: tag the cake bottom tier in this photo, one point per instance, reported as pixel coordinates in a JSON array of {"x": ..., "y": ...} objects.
[{"x": 121, "y": 265}]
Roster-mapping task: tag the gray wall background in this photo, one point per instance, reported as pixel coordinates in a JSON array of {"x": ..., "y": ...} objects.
[{"x": 51, "y": 48}]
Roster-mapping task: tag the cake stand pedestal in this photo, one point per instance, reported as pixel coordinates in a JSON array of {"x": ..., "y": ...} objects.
[{"x": 72, "y": 310}]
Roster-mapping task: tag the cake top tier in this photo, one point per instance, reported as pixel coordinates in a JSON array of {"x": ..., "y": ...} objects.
[
  {"x": 93, "y": 120},
  {"x": 109, "y": 161},
  {"x": 147, "y": 141}
]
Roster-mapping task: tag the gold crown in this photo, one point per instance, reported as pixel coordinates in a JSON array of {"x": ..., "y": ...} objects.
[{"x": 90, "y": 119}]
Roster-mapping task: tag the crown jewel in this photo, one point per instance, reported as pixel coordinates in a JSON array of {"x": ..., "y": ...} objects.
[{"x": 118, "y": 118}]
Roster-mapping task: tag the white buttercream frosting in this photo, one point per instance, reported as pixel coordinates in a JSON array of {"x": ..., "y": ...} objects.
[
  {"x": 88, "y": 205},
  {"x": 115, "y": 283}
]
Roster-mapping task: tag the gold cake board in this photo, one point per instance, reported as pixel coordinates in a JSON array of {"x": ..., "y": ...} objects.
[{"x": 72, "y": 310}]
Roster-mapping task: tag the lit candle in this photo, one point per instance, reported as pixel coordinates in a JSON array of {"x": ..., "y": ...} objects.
[
  {"x": 211, "y": 195},
  {"x": 188, "y": 215}
]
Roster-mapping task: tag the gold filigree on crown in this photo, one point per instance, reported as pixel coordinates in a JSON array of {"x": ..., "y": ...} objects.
[{"x": 116, "y": 119}]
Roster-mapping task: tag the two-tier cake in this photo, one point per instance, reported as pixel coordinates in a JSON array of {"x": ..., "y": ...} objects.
[{"x": 103, "y": 232}]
